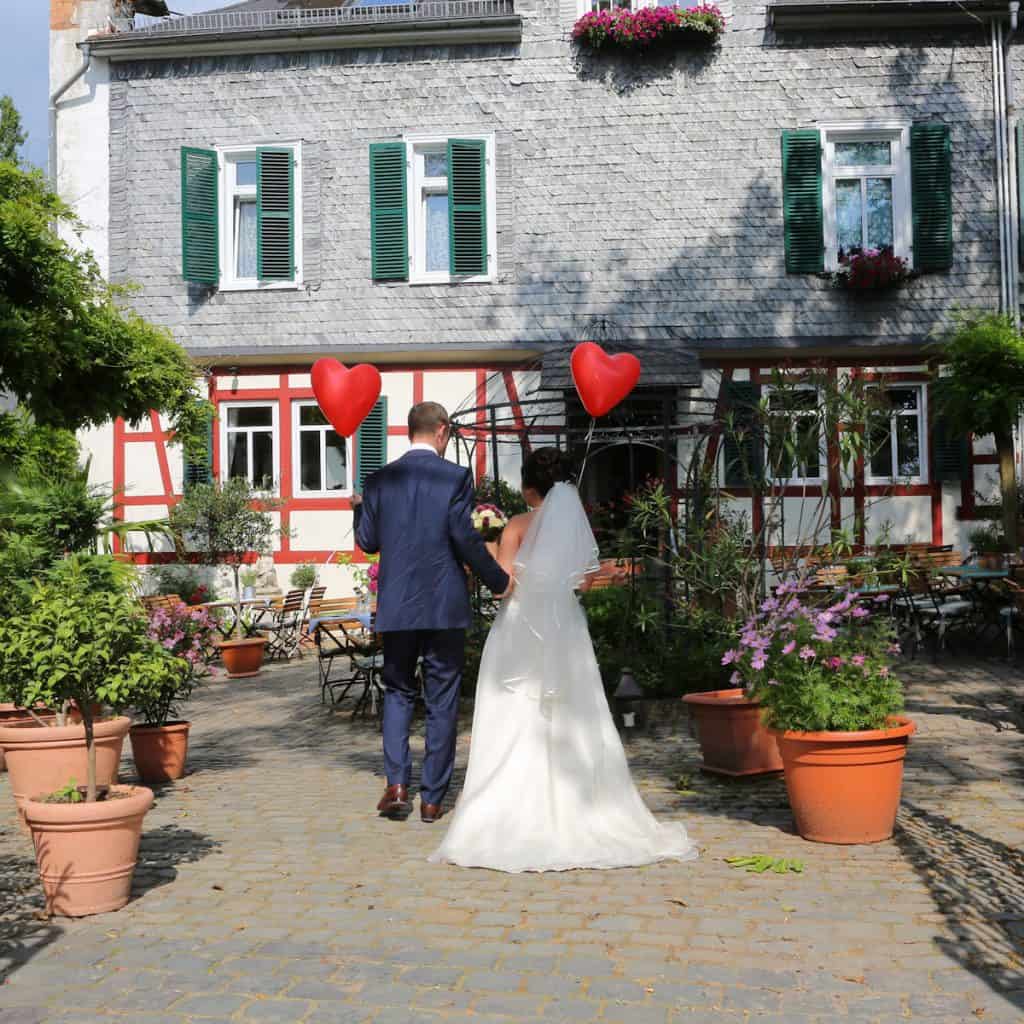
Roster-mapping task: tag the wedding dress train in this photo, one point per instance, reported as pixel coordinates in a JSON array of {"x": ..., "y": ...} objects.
[{"x": 547, "y": 786}]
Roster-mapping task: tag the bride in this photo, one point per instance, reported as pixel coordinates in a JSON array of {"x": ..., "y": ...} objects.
[{"x": 548, "y": 787}]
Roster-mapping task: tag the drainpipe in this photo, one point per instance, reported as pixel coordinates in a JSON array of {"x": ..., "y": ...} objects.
[
  {"x": 54, "y": 99},
  {"x": 1013, "y": 208}
]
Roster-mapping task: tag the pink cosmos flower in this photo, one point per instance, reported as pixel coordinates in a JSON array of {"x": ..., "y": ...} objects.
[
  {"x": 835, "y": 662},
  {"x": 806, "y": 653},
  {"x": 858, "y": 660},
  {"x": 790, "y": 647}
]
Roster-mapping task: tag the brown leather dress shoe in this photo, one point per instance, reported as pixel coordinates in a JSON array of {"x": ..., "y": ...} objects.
[
  {"x": 430, "y": 812},
  {"x": 395, "y": 803}
]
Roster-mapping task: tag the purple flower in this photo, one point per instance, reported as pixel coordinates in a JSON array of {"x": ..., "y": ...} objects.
[
  {"x": 825, "y": 634},
  {"x": 790, "y": 647},
  {"x": 834, "y": 662},
  {"x": 770, "y": 605},
  {"x": 735, "y": 679},
  {"x": 882, "y": 598},
  {"x": 758, "y": 661},
  {"x": 858, "y": 660},
  {"x": 806, "y": 653},
  {"x": 730, "y": 657},
  {"x": 860, "y": 613}
]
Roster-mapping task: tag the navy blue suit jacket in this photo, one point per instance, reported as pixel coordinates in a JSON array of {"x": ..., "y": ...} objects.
[{"x": 416, "y": 513}]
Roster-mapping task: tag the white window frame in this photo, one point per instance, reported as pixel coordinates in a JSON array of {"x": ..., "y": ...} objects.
[
  {"x": 227, "y": 157},
  {"x": 922, "y": 436},
  {"x": 898, "y": 134},
  {"x": 418, "y": 184},
  {"x": 222, "y": 415},
  {"x": 297, "y": 428},
  {"x": 797, "y": 481},
  {"x": 590, "y": 6}
]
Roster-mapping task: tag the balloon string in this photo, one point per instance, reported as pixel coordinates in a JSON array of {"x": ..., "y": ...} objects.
[{"x": 586, "y": 452}]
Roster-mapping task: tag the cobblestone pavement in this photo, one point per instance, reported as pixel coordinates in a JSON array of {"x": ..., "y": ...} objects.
[{"x": 268, "y": 890}]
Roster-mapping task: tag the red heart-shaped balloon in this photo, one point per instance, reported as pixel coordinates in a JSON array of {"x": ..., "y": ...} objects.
[
  {"x": 345, "y": 396},
  {"x": 601, "y": 380}
]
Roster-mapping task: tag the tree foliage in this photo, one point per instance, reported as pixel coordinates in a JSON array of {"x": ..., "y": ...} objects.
[
  {"x": 981, "y": 391},
  {"x": 70, "y": 351},
  {"x": 11, "y": 136}
]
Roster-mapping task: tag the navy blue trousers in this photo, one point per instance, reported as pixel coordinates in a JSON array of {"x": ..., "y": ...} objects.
[{"x": 443, "y": 653}]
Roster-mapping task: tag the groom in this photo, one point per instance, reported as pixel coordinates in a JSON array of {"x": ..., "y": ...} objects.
[{"x": 416, "y": 513}]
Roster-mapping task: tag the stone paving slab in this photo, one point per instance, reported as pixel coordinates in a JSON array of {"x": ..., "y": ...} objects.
[{"x": 268, "y": 890}]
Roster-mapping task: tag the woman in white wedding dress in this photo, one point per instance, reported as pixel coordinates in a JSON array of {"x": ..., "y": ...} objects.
[{"x": 548, "y": 787}]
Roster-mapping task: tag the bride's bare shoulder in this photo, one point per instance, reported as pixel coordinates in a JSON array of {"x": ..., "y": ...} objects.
[{"x": 520, "y": 522}]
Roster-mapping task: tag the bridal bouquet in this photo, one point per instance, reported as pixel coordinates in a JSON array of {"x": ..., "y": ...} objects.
[
  {"x": 489, "y": 521},
  {"x": 816, "y": 668}
]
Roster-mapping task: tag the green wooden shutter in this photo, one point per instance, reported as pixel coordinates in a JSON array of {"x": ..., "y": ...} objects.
[
  {"x": 931, "y": 195},
  {"x": 801, "y": 202},
  {"x": 200, "y": 244},
  {"x": 275, "y": 214},
  {"x": 372, "y": 442},
  {"x": 467, "y": 206},
  {"x": 742, "y": 443},
  {"x": 389, "y": 227},
  {"x": 950, "y": 452},
  {"x": 199, "y": 470}
]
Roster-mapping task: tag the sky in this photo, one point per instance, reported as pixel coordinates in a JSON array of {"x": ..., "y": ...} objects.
[{"x": 24, "y": 55}]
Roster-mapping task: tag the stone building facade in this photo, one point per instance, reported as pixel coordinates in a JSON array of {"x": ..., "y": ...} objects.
[{"x": 645, "y": 190}]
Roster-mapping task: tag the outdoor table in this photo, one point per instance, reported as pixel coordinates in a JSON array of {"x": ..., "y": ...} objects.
[
  {"x": 359, "y": 656},
  {"x": 365, "y": 619},
  {"x": 984, "y": 592}
]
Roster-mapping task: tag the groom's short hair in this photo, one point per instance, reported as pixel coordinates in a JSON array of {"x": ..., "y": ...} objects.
[{"x": 426, "y": 417}]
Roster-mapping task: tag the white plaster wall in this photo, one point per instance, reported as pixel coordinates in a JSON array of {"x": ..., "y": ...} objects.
[
  {"x": 137, "y": 541},
  {"x": 454, "y": 389},
  {"x": 986, "y": 485},
  {"x": 985, "y": 445},
  {"x": 321, "y": 530},
  {"x": 399, "y": 445},
  {"x": 141, "y": 468},
  {"x": 97, "y": 446},
  {"x": 300, "y": 380},
  {"x": 910, "y": 518},
  {"x": 954, "y": 531},
  {"x": 83, "y": 135},
  {"x": 397, "y": 388}
]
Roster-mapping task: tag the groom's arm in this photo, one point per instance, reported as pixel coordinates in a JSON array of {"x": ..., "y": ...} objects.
[
  {"x": 469, "y": 545},
  {"x": 365, "y": 521}
]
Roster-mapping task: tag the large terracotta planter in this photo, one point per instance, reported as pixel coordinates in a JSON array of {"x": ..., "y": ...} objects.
[
  {"x": 86, "y": 852},
  {"x": 11, "y": 714},
  {"x": 242, "y": 657},
  {"x": 42, "y": 760},
  {"x": 160, "y": 750},
  {"x": 732, "y": 738},
  {"x": 844, "y": 787}
]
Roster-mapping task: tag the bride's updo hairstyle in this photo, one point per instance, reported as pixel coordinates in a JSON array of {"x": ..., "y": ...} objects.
[{"x": 546, "y": 467}]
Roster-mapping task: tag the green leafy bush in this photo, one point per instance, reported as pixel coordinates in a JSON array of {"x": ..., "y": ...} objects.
[
  {"x": 303, "y": 577},
  {"x": 496, "y": 492},
  {"x": 82, "y": 637}
]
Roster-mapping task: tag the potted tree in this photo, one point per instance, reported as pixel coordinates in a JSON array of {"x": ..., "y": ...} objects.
[
  {"x": 160, "y": 741},
  {"x": 82, "y": 637},
  {"x": 227, "y": 524},
  {"x": 990, "y": 545},
  {"x": 303, "y": 577},
  {"x": 825, "y": 684}
]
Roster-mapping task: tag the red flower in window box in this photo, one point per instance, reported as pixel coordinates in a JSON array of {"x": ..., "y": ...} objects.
[{"x": 870, "y": 270}]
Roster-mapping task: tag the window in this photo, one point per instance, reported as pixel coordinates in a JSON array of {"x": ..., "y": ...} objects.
[
  {"x": 897, "y": 442},
  {"x": 242, "y": 217},
  {"x": 866, "y": 190},
  {"x": 432, "y": 210},
  {"x": 321, "y": 457},
  {"x": 794, "y": 439},
  {"x": 249, "y": 443}
]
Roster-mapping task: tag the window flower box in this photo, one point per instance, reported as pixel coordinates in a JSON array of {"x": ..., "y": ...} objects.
[
  {"x": 668, "y": 27},
  {"x": 870, "y": 270}
]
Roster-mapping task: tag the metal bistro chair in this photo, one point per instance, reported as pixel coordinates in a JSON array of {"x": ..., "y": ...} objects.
[
  {"x": 931, "y": 609},
  {"x": 348, "y": 655},
  {"x": 283, "y": 625}
]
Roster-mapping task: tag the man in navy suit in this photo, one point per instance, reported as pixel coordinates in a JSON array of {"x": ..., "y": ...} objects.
[{"x": 416, "y": 513}]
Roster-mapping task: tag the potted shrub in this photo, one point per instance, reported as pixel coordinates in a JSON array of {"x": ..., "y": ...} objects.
[
  {"x": 990, "y": 546},
  {"x": 227, "y": 524},
  {"x": 303, "y": 577},
  {"x": 828, "y": 693},
  {"x": 733, "y": 739},
  {"x": 160, "y": 741},
  {"x": 82, "y": 637}
]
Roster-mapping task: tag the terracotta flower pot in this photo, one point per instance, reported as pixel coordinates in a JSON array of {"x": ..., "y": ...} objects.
[
  {"x": 844, "y": 787},
  {"x": 160, "y": 750},
  {"x": 86, "y": 852},
  {"x": 732, "y": 738},
  {"x": 242, "y": 657},
  {"x": 42, "y": 760},
  {"x": 11, "y": 714}
]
